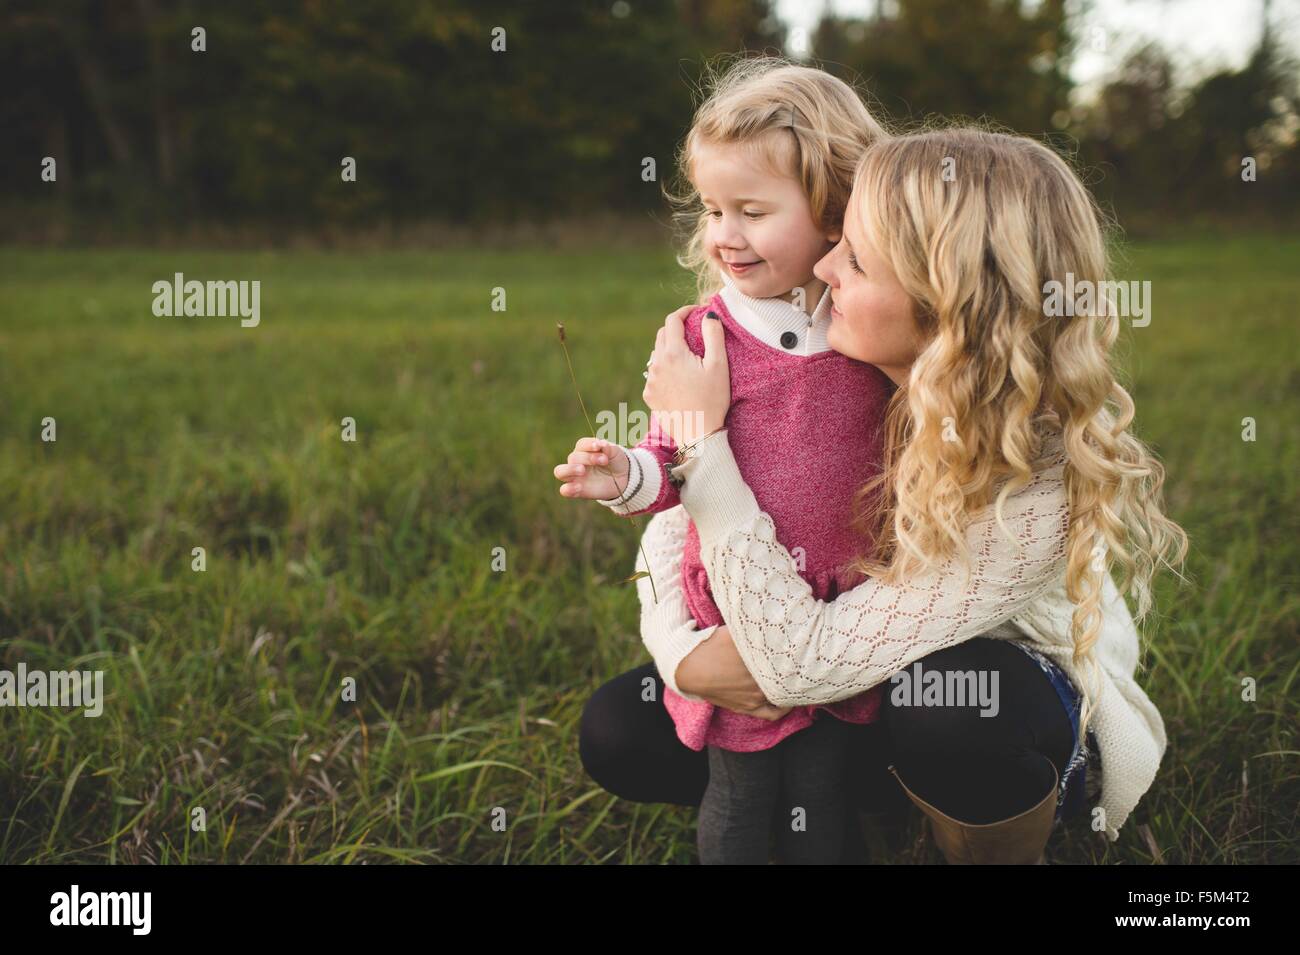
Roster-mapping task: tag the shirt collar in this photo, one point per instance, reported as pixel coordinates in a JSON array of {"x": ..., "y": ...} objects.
[{"x": 767, "y": 319}]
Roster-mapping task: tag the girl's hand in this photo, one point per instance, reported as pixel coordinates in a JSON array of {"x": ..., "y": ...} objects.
[
  {"x": 689, "y": 395},
  {"x": 586, "y": 472},
  {"x": 715, "y": 672}
]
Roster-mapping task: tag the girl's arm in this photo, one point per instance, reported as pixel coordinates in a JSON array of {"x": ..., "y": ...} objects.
[
  {"x": 648, "y": 487},
  {"x": 805, "y": 651},
  {"x": 667, "y": 628}
]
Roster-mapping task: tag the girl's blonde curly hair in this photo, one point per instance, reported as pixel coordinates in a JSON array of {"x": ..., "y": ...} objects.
[
  {"x": 779, "y": 110},
  {"x": 975, "y": 224}
]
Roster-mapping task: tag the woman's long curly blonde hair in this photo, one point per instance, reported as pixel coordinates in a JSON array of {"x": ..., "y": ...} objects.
[
  {"x": 745, "y": 102},
  {"x": 975, "y": 224}
]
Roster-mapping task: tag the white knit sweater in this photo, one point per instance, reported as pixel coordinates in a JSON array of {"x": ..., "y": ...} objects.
[{"x": 803, "y": 651}]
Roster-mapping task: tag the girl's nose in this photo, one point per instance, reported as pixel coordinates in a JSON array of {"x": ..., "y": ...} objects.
[
  {"x": 727, "y": 233},
  {"x": 731, "y": 239}
]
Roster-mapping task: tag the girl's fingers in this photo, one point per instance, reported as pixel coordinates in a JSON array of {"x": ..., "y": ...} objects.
[
  {"x": 571, "y": 472},
  {"x": 587, "y": 459}
]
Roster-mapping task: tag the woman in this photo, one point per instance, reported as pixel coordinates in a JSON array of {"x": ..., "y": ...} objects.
[{"x": 1011, "y": 487}]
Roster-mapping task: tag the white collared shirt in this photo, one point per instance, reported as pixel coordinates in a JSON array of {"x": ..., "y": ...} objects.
[{"x": 767, "y": 319}]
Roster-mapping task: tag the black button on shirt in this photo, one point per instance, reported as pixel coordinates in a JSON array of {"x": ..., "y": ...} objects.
[{"x": 789, "y": 339}]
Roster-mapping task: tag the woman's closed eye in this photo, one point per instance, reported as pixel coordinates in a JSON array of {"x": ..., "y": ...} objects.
[{"x": 853, "y": 264}]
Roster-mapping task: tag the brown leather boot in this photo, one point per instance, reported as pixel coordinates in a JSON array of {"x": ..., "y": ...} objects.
[{"x": 1019, "y": 840}]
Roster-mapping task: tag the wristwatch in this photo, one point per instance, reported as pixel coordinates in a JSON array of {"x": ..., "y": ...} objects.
[{"x": 686, "y": 453}]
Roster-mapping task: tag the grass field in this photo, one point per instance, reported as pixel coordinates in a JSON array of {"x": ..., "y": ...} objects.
[{"x": 373, "y": 559}]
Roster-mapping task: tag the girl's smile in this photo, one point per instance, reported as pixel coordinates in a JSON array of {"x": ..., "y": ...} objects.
[{"x": 760, "y": 229}]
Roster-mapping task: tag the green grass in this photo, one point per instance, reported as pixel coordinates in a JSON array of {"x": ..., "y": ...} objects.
[{"x": 372, "y": 560}]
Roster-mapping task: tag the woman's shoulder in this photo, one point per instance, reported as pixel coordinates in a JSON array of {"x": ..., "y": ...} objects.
[
  {"x": 1046, "y": 480},
  {"x": 1033, "y": 519},
  {"x": 1049, "y": 467}
]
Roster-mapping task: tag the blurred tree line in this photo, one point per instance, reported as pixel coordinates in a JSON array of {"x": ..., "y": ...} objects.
[
  {"x": 147, "y": 130},
  {"x": 441, "y": 126},
  {"x": 1155, "y": 151}
]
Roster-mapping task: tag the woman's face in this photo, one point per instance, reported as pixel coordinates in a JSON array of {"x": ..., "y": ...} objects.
[{"x": 871, "y": 315}]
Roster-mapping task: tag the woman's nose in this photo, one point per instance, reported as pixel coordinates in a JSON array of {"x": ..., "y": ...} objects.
[{"x": 823, "y": 270}]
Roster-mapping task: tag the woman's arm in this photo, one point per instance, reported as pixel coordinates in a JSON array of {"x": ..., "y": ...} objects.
[
  {"x": 667, "y": 628},
  {"x": 805, "y": 651},
  {"x": 707, "y": 657}
]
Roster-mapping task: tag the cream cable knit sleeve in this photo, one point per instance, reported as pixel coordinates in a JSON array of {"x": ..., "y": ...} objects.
[
  {"x": 667, "y": 627},
  {"x": 804, "y": 651}
]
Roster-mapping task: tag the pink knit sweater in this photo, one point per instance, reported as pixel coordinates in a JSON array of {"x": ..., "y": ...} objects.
[{"x": 806, "y": 434}]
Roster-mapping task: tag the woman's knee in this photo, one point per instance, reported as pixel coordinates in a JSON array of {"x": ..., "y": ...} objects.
[
  {"x": 604, "y": 731},
  {"x": 628, "y": 744},
  {"x": 949, "y": 700},
  {"x": 995, "y": 699}
]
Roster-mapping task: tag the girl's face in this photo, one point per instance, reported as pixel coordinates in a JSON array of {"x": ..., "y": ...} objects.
[
  {"x": 871, "y": 315},
  {"x": 760, "y": 229}
]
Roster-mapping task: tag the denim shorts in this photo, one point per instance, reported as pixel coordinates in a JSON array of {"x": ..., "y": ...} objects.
[{"x": 1080, "y": 780}]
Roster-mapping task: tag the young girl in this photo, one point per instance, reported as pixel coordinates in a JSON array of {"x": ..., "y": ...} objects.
[{"x": 769, "y": 160}]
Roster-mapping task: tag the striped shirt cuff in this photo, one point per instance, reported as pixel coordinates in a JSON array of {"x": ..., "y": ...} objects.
[{"x": 644, "y": 480}]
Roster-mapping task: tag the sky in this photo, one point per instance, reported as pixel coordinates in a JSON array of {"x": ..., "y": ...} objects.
[{"x": 1201, "y": 35}]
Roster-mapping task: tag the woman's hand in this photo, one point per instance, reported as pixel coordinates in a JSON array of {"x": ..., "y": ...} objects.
[
  {"x": 715, "y": 672},
  {"x": 689, "y": 395}
]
